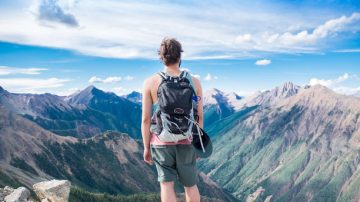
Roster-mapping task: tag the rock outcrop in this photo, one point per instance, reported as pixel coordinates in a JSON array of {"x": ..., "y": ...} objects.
[
  {"x": 46, "y": 191},
  {"x": 8, "y": 194},
  {"x": 53, "y": 191}
]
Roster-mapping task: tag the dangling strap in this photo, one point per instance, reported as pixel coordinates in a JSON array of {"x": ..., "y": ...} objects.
[{"x": 199, "y": 133}]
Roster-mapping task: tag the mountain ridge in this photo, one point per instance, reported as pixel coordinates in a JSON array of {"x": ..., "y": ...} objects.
[
  {"x": 89, "y": 112},
  {"x": 303, "y": 147},
  {"x": 29, "y": 154}
]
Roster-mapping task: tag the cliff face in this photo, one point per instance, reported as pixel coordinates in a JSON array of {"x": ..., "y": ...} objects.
[{"x": 300, "y": 146}]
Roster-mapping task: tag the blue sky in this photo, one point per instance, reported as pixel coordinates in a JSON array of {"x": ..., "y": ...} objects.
[{"x": 65, "y": 45}]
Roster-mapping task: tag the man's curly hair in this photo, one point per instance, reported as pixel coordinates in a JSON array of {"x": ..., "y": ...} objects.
[{"x": 170, "y": 51}]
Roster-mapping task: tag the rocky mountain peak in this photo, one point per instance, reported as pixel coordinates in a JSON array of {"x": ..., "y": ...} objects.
[
  {"x": 3, "y": 91},
  {"x": 134, "y": 96},
  {"x": 214, "y": 91},
  {"x": 214, "y": 96},
  {"x": 320, "y": 90},
  {"x": 92, "y": 89},
  {"x": 84, "y": 96},
  {"x": 286, "y": 90}
]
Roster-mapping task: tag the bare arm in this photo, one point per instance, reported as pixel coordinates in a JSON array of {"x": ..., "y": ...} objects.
[
  {"x": 198, "y": 90},
  {"x": 146, "y": 114}
]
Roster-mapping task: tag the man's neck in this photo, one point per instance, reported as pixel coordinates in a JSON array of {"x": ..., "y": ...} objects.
[{"x": 172, "y": 70}]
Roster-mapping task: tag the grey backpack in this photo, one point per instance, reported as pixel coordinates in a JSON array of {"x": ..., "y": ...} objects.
[{"x": 176, "y": 117}]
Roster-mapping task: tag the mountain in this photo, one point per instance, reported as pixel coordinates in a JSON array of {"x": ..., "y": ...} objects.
[
  {"x": 111, "y": 162},
  {"x": 134, "y": 97},
  {"x": 31, "y": 154},
  {"x": 218, "y": 105},
  {"x": 270, "y": 97},
  {"x": 289, "y": 144},
  {"x": 123, "y": 114},
  {"x": 84, "y": 114}
]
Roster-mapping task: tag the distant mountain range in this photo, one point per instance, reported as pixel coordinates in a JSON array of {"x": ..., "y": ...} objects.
[
  {"x": 291, "y": 143},
  {"x": 84, "y": 114},
  {"x": 105, "y": 161}
]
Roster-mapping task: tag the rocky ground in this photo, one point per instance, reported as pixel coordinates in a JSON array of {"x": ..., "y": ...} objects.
[{"x": 54, "y": 190}]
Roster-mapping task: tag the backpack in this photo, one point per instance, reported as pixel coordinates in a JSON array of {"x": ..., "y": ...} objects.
[{"x": 176, "y": 117}]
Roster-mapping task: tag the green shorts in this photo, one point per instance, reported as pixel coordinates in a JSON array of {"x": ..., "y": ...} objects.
[{"x": 175, "y": 162}]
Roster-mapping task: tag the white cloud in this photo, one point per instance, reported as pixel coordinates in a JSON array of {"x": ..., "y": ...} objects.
[
  {"x": 5, "y": 70},
  {"x": 128, "y": 29},
  {"x": 196, "y": 76},
  {"x": 338, "y": 84},
  {"x": 110, "y": 79},
  {"x": 329, "y": 82},
  {"x": 128, "y": 78},
  {"x": 210, "y": 77},
  {"x": 347, "y": 90},
  {"x": 27, "y": 85},
  {"x": 121, "y": 91},
  {"x": 263, "y": 62},
  {"x": 95, "y": 79},
  {"x": 246, "y": 38},
  {"x": 332, "y": 26},
  {"x": 300, "y": 41},
  {"x": 348, "y": 51},
  {"x": 68, "y": 91}
]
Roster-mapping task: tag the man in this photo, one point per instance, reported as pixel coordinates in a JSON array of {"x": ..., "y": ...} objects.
[{"x": 173, "y": 159}]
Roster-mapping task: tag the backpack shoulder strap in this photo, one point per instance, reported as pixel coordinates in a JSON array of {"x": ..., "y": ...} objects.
[
  {"x": 189, "y": 77},
  {"x": 164, "y": 76},
  {"x": 183, "y": 74}
]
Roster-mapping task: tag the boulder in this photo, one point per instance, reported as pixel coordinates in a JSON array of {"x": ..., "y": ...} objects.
[
  {"x": 7, "y": 190},
  {"x": 20, "y": 194},
  {"x": 53, "y": 190}
]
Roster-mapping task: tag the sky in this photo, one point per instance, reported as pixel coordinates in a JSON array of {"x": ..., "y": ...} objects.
[{"x": 62, "y": 46}]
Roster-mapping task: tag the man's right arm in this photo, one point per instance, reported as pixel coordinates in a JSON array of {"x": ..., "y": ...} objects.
[{"x": 146, "y": 117}]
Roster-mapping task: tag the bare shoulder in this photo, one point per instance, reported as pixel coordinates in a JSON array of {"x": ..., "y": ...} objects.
[
  {"x": 151, "y": 79},
  {"x": 196, "y": 81},
  {"x": 151, "y": 84},
  {"x": 197, "y": 85}
]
